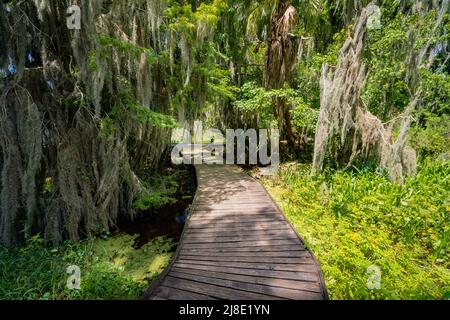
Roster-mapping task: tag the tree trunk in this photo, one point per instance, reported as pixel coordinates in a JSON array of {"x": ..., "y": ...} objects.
[{"x": 281, "y": 57}]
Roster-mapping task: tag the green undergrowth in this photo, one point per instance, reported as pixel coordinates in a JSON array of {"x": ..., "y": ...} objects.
[
  {"x": 110, "y": 269},
  {"x": 357, "y": 221},
  {"x": 160, "y": 191}
]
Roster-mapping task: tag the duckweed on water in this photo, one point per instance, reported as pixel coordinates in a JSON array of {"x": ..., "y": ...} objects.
[{"x": 110, "y": 268}]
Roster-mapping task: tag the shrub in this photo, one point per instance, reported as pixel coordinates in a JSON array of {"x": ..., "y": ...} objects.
[
  {"x": 434, "y": 139},
  {"x": 110, "y": 268},
  {"x": 353, "y": 220}
]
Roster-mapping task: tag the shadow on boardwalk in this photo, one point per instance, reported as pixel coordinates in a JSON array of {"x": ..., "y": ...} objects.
[{"x": 238, "y": 245}]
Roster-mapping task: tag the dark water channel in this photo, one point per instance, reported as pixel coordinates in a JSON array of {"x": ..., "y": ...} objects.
[{"x": 168, "y": 220}]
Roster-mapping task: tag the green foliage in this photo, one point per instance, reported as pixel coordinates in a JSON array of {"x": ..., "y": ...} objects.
[
  {"x": 129, "y": 48},
  {"x": 127, "y": 106},
  {"x": 218, "y": 83},
  {"x": 110, "y": 268},
  {"x": 141, "y": 265},
  {"x": 304, "y": 117},
  {"x": 208, "y": 14},
  {"x": 388, "y": 90},
  {"x": 434, "y": 138},
  {"x": 197, "y": 78},
  {"x": 331, "y": 54},
  {"x": 309, "y": 69},
  {"x": 351, "y": 220},
  {"x": 436, "y": 88},
  {"x": 160, "y": 190},
  {"x": 354, "y": 220},
  {"x": 183, "y": 18},
  {"x": 253, "y": 99},
  {"x": 92, "y": 61}
]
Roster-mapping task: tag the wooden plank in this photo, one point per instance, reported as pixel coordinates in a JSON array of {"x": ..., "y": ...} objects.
[
  {"x": 230, "y": 186},
  {"x": 306, "y": 266},
  {"x": 232, "y": 181},
  {"x": 218, "y": 258},
  {"x": 290, "y": 284},
  {"x": 256, "y": 202},
  {"x": 248, "y": 253},
  {"x": 242, "y": 244},
  {"x": 219, "y": 213},
  {"x": 219, "y": 207},
  {"x": 224, "y": 196},
  {"x": 251, "y": 287},
  {"x": 232, "y": 213},
  {"x": 238, "y": 225},
  {"x": 238, "y": 232},
  {"x": 177, "y": 294},
  {"x": 210, "y": 223},
  {"x": 214, "y": 193},
  {"x": 256, "y": 250},
  {"x": 205, "y": 233},
  {"x": 287, "y": 275},
  {"x": 157, "y": 298},
  {"x": 236, "y": 219},
  {"x": 222, "y": 204},
  {"x": 213, "y": 291},
  {"x": 226, "y": 239},
  {"x": 205, "y": 211}
]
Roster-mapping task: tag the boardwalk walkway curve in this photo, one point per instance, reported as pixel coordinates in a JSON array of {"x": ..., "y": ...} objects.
[{"x": 237, "y": 245}]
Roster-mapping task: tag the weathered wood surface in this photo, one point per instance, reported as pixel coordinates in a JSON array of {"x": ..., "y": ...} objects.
[{"x": 237, "y": 245}]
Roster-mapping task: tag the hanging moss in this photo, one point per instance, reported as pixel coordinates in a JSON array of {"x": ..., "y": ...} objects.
[
  {"x": 343, "y": 117},
  {"x": 96, "y": 112}
]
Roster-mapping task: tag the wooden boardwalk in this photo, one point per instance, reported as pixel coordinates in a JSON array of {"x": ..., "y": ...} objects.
[{"x": 237, "y": 245}]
